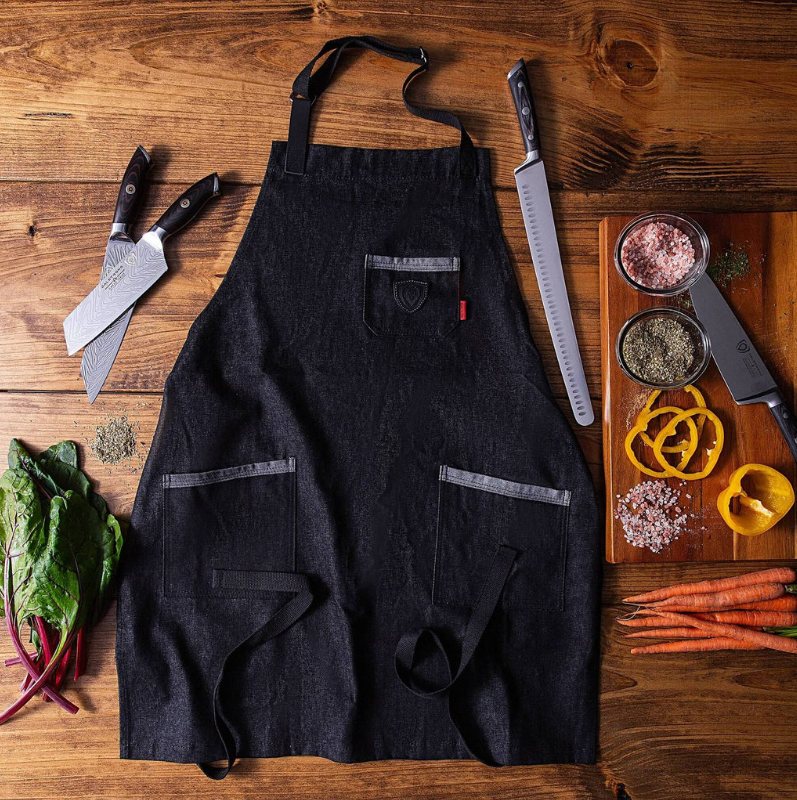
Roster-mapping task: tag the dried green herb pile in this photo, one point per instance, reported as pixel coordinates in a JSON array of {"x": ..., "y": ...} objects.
[{"x": 115, "y": 441}]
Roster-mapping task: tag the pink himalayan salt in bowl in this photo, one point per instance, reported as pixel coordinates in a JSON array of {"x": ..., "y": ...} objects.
[{"x": 661, "y": 254}]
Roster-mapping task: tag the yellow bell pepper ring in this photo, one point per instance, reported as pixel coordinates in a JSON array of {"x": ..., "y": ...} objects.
[
  {"x": 669, "y": 429},
  {"x": 683, "y": 444},
  {"x": 756, "y": 499},
  {"x": 642, "y": 425}
]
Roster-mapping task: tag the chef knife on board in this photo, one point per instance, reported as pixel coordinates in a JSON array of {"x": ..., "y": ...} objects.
[
  {"x": 535, "y": 203},
  {"x": 745, "y": 374},
  {"x": 99, "y": 355},
  {"x": 137, "y": 272}
]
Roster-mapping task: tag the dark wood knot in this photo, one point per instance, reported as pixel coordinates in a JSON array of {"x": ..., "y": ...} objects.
[{"x": 631, "y": 62}]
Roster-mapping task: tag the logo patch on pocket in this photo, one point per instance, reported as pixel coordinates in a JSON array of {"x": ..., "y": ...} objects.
[{"x": 410, "y": 295}]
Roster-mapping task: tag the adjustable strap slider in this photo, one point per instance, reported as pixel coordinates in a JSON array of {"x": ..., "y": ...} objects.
[{"x": 297, "y": 96}]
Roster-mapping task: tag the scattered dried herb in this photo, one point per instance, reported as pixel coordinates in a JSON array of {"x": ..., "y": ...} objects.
[
  {"x": 659, "y": 350},
  {"x": 115, "y": 441},
  {"x": 732, "y": 264}
]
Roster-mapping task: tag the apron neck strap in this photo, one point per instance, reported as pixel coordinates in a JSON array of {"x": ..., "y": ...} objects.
[{"x": 309, "y": 85}]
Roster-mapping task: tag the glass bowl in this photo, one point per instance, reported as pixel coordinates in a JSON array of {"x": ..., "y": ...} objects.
[
  {"x": 697, "y": 236},
  {"x": 696, "y": 330}
]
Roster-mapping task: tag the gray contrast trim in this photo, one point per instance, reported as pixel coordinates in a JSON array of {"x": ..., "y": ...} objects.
[
  {"x": 186, "y": 479},
  {"x": 521, "y": 491},
  {"x": 258, "y": 581},
  {"x": 440, "y": 264}
]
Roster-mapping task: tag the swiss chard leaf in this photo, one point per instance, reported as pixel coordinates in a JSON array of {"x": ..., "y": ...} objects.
[
  {"x": 59, "y": 463},
  {"x": 65, "y": 452},
  {"x": 20, "y": 458},
  {"x": 66, "y": 576},
  {"x": 84, "y": 514},
  {"x": 111, "y": 550},
  {"x": 22, "y": 538}
]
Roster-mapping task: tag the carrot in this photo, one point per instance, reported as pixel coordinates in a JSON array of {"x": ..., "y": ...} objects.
[
  {"x": 788, "y": 602},
  {"x": 648, "y": 620},
  {"x": 696, "y": 646},
  {"x": 722, "y": 629},
  {"x": 775, "y": 575},
  {"x": 760, "y": 606},
  {"x": 666, "y": 633},
  {"x": 757, "y": 619},
  {"x": 726, "y": 599}
]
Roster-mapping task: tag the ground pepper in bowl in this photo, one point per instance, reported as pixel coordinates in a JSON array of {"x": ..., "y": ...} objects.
[{"x": 662, "y": 348}]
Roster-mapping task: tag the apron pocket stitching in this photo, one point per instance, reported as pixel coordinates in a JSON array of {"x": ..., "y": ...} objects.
[
  {"x": 455, "y": 560},
  {"x": 521, "y": 491},
  {"x": 383, "y": 311},
  {"x": 233, "y": 522},
  {"x": 413, "y": 264},
  {"x": 183, "y": 480}
]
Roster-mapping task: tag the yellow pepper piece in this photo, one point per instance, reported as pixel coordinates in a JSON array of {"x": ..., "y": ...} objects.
[
  {"x": 642, "y": 425},
  {"x": 764, "y": 496},
  {"x": 651, "y": 400},
  {"x": 713, "y": 454},
  {"x": 700, "y": 401}
]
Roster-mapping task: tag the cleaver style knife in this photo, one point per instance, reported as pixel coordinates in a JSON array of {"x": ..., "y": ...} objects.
[
  {"x": 99, "y": 355},
  {"x": 137, "y": 272},
  {"x": 744, "y": 373},
  {"x": 535, "y": 203}
]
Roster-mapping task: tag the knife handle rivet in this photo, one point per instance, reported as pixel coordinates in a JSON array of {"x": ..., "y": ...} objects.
[
  {"x": 185, "y": 203},
  {"x": 525, "y": 111},
  {"x": 130, "y": 188}
]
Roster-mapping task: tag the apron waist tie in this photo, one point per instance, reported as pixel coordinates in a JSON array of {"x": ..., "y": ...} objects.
[
  {"x": 280, "y": 621},
  {"x": 474, "y": 630}
]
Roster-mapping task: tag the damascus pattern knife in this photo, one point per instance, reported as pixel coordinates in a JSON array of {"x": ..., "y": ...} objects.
[
  {"x": 99, "y": 355},
  {"x": 136, "y": 272},
  {"x": 535, "y": 203}
]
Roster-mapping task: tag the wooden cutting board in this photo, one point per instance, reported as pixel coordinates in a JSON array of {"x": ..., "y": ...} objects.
[{"x": 764, "y": 301}]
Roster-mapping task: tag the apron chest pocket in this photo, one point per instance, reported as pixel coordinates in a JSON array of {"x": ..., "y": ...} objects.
[
  {"x": 478, "y": 513},
  {"x": 227, "y": 522},
  {"x": 411, "y": 296}
]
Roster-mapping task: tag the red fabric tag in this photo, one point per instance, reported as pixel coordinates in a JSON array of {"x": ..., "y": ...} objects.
[{"x": 463, "y": 309}]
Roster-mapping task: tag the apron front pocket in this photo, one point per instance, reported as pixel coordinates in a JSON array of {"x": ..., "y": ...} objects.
[
  {"x": 411, "y": 296},
  {"x": 227, "y": 520},
  {"x": 479, "y": 513}
]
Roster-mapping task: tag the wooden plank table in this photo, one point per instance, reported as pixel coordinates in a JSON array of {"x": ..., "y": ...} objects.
[{"x": 642, "y": 105}]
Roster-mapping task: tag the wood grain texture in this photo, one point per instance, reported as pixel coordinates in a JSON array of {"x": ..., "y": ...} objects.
[
  {"x": 659, "y": 104},
  {"x": 764, "y": 301},
  {"x": 647, "y": 95}
]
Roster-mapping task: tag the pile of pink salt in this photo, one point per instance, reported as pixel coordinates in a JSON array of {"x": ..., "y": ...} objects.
[
  {"x": 651, "y": 515},
  {"x": 657, "y": 255}
]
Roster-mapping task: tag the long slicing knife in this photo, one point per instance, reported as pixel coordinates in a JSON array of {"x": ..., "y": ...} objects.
[
  {"x": 99, "y": 355},
  {"x": 535, "y": 203},
  {"x": 137, "y": 271},
  {"x": 742, "y": 369}
]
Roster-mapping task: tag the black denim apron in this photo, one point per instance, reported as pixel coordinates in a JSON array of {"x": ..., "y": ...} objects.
[{"x": 364, "y": 530}]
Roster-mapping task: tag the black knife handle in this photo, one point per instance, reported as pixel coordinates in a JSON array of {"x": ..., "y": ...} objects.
[
  {"x": 786, "y": 422},
  {"x": 130, "y": 192},
  {"x": 188, "y": 205},
  {"x": 524, "y": 105}
]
